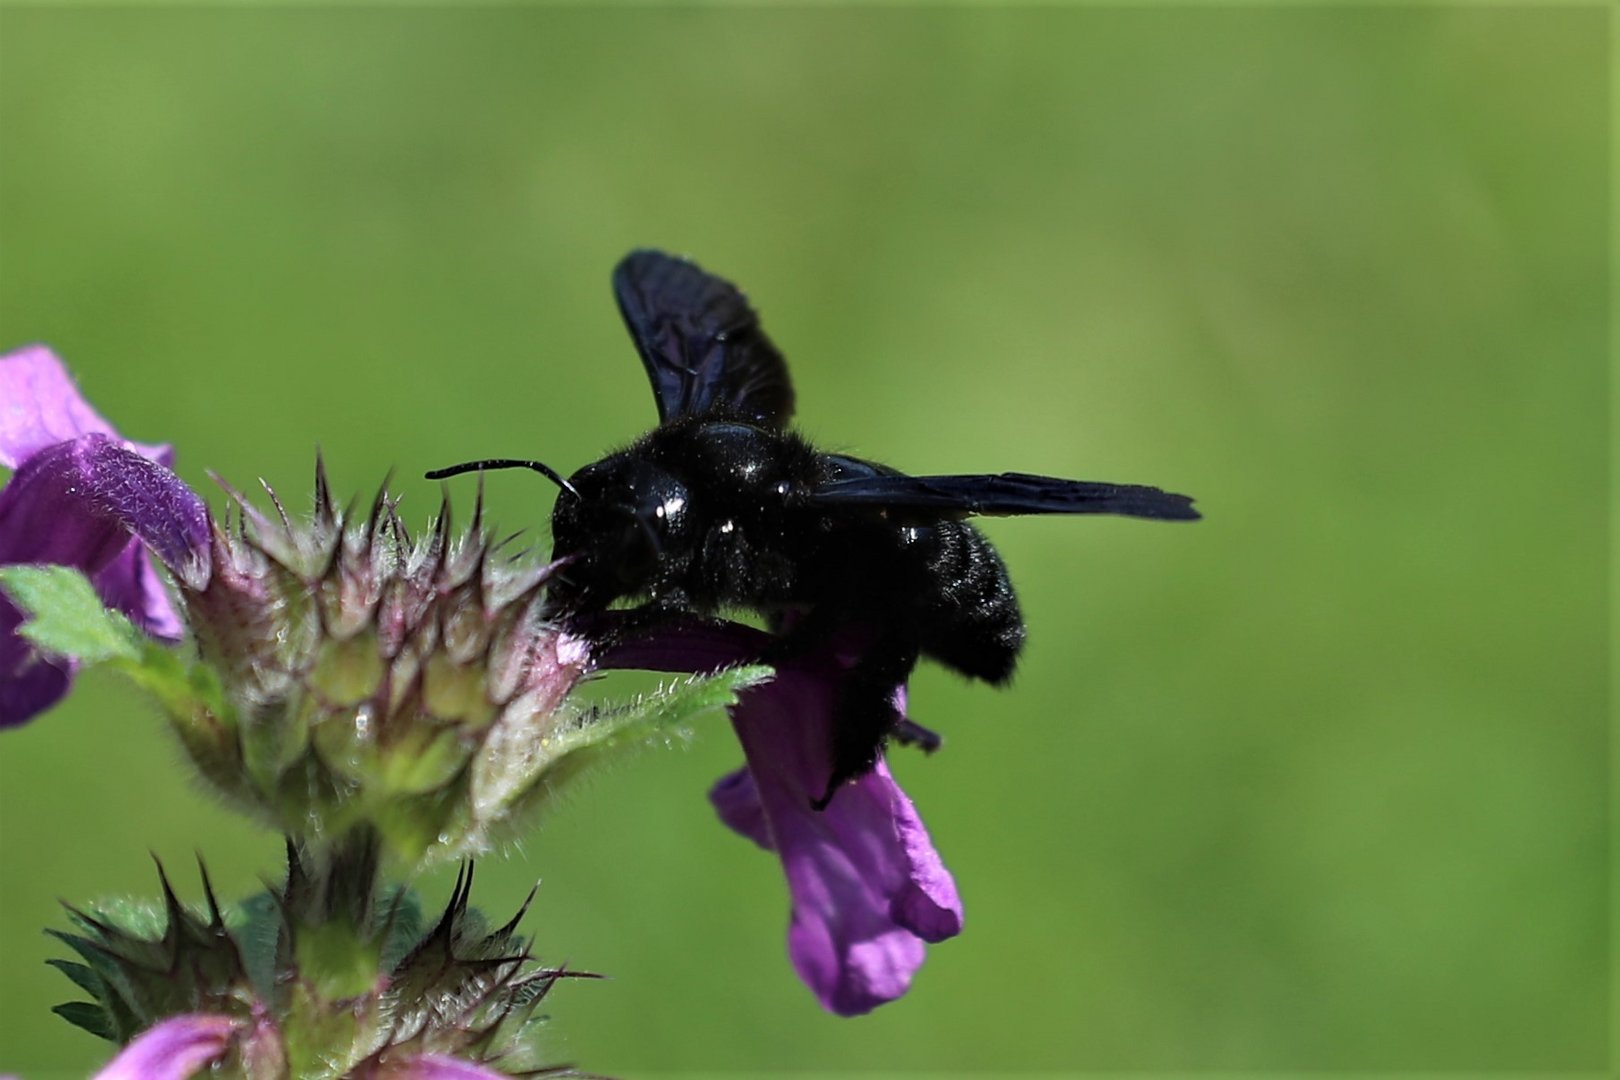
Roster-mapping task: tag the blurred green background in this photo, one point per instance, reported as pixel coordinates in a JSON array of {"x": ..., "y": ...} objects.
[{"x": 1318, "y": 783}]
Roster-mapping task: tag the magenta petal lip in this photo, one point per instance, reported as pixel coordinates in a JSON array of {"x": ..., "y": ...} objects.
[
  {"x": 81, "y": 503},
  {"x": 174, "y": 1049},
  {"x": 869, "y": 891},
  {"x": 868, "y": 888}
]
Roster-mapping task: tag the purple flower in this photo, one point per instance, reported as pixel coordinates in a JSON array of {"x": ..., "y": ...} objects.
[
  {"x": 187, "y": 1045},
  {"x": 179, "y": 1047},
  {"x": 82, "y": 497},
  {"x": 868, "y": 888}
]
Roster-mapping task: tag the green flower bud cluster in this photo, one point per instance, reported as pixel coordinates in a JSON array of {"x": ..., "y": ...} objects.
[
  {"x": 384, "y": 701},
  {"x": 318, "y": 978},
  {"x": 368, "y": 678}
]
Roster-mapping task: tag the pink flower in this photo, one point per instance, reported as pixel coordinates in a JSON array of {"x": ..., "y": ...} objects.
[
  {"x": 82, "y": 497},
  {"x": 175, "y": 1049},
  {"x": 869, "y": 891}
]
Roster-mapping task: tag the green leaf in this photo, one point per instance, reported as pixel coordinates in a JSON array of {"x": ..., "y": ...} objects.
[
  {"x": 92, "y": 1018},
  {"x": 522, "y": 764},
  {"x": 675, "y": 706},
  {"x": 66, "y": 617},
  {"x": 257, "y": 924},
  {"x": 102, "y": 962},
  {"x": 82, "y": 977},
  {"x": 401, "y": 912},
  {"x": 671, "y": 708},
  {"x": 113, "y": 1014}
]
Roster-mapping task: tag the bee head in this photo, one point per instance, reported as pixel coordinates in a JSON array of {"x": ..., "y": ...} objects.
[{"x": 620, "y": 524}]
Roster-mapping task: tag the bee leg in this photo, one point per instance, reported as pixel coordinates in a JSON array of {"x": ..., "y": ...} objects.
[
  {"x": 910, "y": 733},
  {"x": 866, "y": 714},
  {"x": 800, "y": 632},
  {"x": 627, "y": 624}
]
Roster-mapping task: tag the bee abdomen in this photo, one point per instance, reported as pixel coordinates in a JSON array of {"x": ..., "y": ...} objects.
[{"x": 968, "y": 616}]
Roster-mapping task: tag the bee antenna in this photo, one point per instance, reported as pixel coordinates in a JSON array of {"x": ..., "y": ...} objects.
[{"x": 504, "y": 463}]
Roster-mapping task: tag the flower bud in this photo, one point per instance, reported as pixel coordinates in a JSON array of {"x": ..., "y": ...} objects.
[
  {"x": 366, "y": 677},
  {"x": 324, "y": 977}
]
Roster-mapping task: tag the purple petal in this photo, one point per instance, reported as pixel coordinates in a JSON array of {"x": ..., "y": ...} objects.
[
  {"x": 29, "y": 683},
  {"x": 40, "y": 406},
  {"x": 84, "y": 503},
  {"x": 868, "y": 887},
  {"x": 735, "y": 798},
  {"x": 131, "y": 584},
  {"x": 78, "y": 504},
  {"x": 442, "y": 1067},
  {"x": 174, "y": 1049}
]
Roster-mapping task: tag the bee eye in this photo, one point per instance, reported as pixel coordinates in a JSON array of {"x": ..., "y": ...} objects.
[
  {"x": 630, "y": 547},
  {"x": 648, "y": 535}
]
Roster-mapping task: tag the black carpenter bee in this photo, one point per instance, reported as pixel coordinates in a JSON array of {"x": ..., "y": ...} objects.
[{"x": 722, "y": 506}]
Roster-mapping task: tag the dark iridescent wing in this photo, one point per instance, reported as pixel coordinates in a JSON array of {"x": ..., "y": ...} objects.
[
  {"x": 700, "y": 341},
  {"x": 935, "y": 498}
]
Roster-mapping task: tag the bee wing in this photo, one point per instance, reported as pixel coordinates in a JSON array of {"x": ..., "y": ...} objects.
[
  {"x": 700, "y": 341},
  {"x": 935, "y": 498}
]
